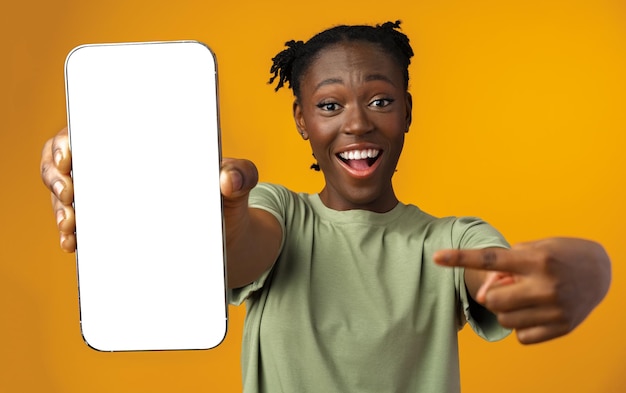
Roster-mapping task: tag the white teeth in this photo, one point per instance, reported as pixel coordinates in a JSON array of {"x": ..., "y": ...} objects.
[{"x": 359, "y": 154}]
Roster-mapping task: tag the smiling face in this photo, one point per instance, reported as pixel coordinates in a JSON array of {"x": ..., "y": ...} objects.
[{"x": 354, "y": 110}]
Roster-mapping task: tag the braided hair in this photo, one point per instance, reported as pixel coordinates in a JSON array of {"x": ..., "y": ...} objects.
[{"x": 290, "y": 64}]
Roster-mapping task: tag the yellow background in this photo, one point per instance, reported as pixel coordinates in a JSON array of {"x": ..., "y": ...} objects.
[{"x": 519, "y": 118}]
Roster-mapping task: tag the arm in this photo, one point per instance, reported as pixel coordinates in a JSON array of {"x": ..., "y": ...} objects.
[
  {"x": 543, "y": 289},
  {"x": 252, "y": 236}
]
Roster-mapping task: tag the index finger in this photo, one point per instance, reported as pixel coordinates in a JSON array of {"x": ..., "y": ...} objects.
[{"x": 492, "y": 259}]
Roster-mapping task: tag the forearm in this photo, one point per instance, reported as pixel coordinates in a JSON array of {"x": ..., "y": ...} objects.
[{"x": 252, "y": 245}]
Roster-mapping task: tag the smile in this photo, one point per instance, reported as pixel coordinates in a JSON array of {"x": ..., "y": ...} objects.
[
  {"x": 361, "y": 161},
  {"x": 359, "y": 154}
]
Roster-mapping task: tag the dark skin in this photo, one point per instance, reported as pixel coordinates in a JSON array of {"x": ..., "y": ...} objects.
[
  {"x": 355, "y": 112},
  {"x": 353, "y": 101}
]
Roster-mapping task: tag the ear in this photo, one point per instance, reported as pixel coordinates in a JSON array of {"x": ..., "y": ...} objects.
[
  {"x": 299, "y": 119},
  {"x": 409, "y": 110}
]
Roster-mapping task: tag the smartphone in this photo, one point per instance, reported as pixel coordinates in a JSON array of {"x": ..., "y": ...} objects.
[{"x": 144, "y": 136}]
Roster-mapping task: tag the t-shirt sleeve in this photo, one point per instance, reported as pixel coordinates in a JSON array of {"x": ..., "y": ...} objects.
[
  {"x": 473, "y": 233},
  {"x": 272, "y": 199}
]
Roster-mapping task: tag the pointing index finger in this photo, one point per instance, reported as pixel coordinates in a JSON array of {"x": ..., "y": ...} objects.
[{"x": 493, "y": 259}]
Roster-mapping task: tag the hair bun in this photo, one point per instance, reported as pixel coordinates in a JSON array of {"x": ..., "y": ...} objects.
[{"x": 390, "y": 25}]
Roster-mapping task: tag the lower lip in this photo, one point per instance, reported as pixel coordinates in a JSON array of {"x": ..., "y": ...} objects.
[{"x": 360, "y": 174}]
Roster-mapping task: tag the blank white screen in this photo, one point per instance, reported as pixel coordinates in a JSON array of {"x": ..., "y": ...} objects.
[{"x": 143, "y": 123}]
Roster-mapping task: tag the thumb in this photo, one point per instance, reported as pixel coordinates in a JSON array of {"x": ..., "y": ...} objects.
[
  {"x": 237, "y": 178},
  {"x": 494, "y": 279}
]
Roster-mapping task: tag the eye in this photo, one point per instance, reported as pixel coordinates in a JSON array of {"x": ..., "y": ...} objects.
[
  {"x": 381, "y": 102},
  {"x": 328, "y": 106}
]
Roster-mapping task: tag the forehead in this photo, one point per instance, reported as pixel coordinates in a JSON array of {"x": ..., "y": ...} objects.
[{"x": 354, "y": 57}]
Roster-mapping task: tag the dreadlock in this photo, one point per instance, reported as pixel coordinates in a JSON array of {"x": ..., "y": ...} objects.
[{"x": 289, "y": 65}]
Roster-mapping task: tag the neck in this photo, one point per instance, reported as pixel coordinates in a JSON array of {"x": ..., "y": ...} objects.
[{"x": 381, "y": 204}]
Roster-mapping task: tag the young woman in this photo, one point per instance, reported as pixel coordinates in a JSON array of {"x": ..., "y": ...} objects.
[{"x": 342, "y": 293}]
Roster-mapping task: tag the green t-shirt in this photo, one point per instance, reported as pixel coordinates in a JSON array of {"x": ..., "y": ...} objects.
[{"x": 354, "y": 302}]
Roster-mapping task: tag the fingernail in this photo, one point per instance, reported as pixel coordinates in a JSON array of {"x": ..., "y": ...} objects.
[
  {"x": 237, "y": 180},
  {"x": 58, "y": 188},
  {"x": 58, "y": 156},
  {"x": 60, "y": 216}
]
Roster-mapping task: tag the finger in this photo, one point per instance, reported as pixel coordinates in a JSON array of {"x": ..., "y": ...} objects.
[
  {"x": 47, "y": 163},
  {"x": 61, "y": 187},
  {"x": 59, "y": 182},
  {"x": 521, "y": 294},
  {"x": 493, "y": 280},
  {"x": 237, "y": 177},
  {"x": 538, "y": 334},
  {"x": 531, "y": 317},
  {"x": 64, "y": 215},
  {"x": 68, "y": 242},
  {"x": 61, "y": 152},
  {"x": 66, "y": 224},
  {"x": 482, "y": 291},
  {"x": 494, "y": 259}
]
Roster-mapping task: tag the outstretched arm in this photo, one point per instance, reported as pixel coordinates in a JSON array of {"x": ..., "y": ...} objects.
[
  {"x": 253, "y": 236},
  {"x": 542, "y": 289}
]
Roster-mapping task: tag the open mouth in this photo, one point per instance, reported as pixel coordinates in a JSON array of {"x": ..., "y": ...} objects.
[{"x": 359, "y": 160}]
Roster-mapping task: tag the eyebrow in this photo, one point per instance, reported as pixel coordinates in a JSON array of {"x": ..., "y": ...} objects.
[
  {"x": 368, "y": 78},
  {"x": 329, "y": 81}
]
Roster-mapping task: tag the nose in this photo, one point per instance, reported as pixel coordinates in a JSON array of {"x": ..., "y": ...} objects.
[{"x": 356, "y": 121}]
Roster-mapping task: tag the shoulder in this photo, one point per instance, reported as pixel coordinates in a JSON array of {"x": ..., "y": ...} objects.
[
  {"x": 266, "y": 192},
  {"x": 473, "y": 232},
  {"x": 264, "y": 189},
  {"x": 451, "y": 231},
  {"x": 277, "y": 199}
]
